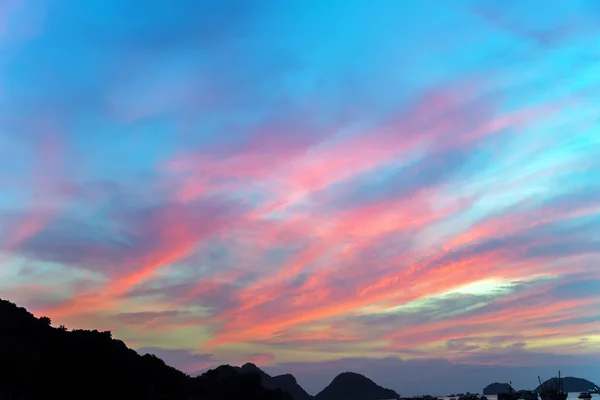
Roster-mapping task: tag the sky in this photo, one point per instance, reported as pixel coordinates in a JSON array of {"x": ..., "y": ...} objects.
[{"x": 407, "y": 189}]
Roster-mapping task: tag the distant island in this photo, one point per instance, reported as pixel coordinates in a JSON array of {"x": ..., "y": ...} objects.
[
  {"x": 40, "y": 362},
  {"x": 571, "y": 384},
  {"x": 353, "y": 386},
  {"x": 496, "y": 388}
]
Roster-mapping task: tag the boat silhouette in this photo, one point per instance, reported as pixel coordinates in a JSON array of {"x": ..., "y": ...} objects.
[{"x": 553, "y": 390}]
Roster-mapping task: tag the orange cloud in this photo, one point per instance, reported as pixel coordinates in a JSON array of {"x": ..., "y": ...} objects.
[{"x": 178, "y": 230}]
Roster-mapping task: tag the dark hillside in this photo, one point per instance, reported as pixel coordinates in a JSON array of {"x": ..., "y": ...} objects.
[{"x": 38, "y": 361}]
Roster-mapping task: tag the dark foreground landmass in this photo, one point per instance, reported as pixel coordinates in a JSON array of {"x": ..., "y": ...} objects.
[
  {"x": 41, "y": 362},
  {"x": 38, "y": 361}
]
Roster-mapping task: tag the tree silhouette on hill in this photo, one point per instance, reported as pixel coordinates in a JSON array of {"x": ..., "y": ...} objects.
[{"x": 38, "y": 361}]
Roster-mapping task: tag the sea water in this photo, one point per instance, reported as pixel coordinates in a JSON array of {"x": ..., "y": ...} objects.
[{"x": 572, "y": 396}]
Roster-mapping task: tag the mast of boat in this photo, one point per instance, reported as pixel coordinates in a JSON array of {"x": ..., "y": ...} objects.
[
  {"x": 540, "y": 381},
  {"x": 560, "y": 385}
]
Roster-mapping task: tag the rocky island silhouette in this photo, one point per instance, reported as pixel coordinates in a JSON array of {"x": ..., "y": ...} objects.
[{"x": 569, "y": 384}]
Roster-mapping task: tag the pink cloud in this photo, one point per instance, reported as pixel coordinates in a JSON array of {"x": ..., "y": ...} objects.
[
  {"x": 261, "y": 359},
  {"x": 176, "y": 231},
  {"x": 279, "y": 307},
  {"x": 505, "y": 321},
  {"x": 45, "y": 200}
]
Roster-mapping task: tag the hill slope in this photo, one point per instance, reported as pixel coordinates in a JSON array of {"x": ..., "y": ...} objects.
[
  {"x": 353, "y": 386},
  {"x": 39, "y": 361},
  {"x": 287, "y": 383}
]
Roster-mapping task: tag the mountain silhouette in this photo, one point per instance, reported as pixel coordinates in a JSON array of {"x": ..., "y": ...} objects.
[
  {"x": 571, "y": 384},
  {"x": 287, "y": 383},
  {"x": 353, "y": 386},
  {"x": 496, "y": 388},
  {"x": 39, "y": 361},
  {"x": 227, "y": 382}
]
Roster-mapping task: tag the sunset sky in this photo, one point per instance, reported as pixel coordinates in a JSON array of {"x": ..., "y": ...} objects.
[{"x": 313, "y": 185}]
